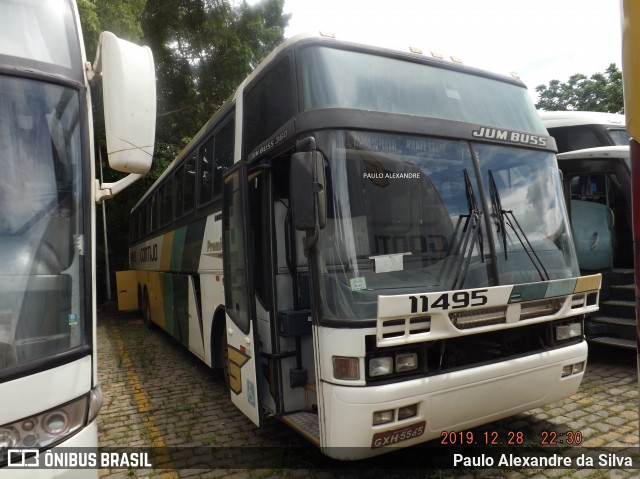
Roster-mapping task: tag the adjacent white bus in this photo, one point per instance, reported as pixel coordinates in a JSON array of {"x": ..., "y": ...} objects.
[
  {"x": 49, "y": 392},
  {"x": 373, "y": 245},
  {"x": 595, "y": 160}
]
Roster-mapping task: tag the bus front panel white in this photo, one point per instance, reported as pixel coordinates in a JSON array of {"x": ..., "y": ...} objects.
[{"x": 454, "y": 401}]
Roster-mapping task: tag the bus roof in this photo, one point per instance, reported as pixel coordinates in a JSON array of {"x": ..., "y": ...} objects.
[
  {"x": 614, "y": 152},
  {"x": 553, "y": 119}
]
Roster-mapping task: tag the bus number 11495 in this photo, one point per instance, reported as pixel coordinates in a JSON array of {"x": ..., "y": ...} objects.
[{"x": 446, "y": 301}]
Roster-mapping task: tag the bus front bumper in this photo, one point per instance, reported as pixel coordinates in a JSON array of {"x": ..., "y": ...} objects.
[{"x": 453, "y": 401}]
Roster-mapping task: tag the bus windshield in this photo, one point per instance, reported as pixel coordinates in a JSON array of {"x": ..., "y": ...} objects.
[
  {"x": 620, "y": 136},
  {"x": 410, "y": 214},
  {"x": 334, "y": 78},
  {"x": 41, "y": 228},
  {"x": 39, "y": 32}
]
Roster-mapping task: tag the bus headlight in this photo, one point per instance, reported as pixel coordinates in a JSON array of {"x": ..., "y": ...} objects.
[
  {"x": 406, "y": 362},
  {"x": 56, "y": 422},
  {"x": 400, "y": 361},
  {"x": 568, "y": 331},
  {"x": 47, "y": 428},
  {"x": 382, "y": 417},
  {"x": 8, "y": 438},
  {"x": 380, "y": 366}
]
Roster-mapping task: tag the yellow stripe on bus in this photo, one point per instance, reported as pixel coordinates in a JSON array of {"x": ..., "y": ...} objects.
[
  {"x": 588, "y": 283},
  {"x": 165, "y": 254}
]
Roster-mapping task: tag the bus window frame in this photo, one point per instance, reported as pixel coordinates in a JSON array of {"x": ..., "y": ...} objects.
[
  {"x": 228, "y": 118},
  {"x": 259, "y": 80}
]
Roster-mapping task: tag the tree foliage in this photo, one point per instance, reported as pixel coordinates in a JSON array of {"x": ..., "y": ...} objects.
[
  {"x": 600, "y": 92},
  {"x": 202, "y": 50}
]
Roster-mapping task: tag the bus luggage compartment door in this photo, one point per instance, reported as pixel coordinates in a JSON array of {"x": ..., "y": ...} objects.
[{"x": 127, "y": 286}]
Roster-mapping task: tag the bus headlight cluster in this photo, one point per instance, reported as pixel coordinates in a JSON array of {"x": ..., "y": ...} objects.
[
  {"x": 568, "y": 331},
  {"x": 389, "y": 415},
  {"x": 53, "y": 426},
  {"x": 570, "y": 369},
  {"x": 397, "y": 363}
]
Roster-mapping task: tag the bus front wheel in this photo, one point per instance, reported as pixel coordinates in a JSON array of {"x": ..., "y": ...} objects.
[{"x": 146, "y": 310}]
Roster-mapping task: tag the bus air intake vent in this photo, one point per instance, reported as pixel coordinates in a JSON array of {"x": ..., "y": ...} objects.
[
  {"x": 543, "y": 307},
  {"x": 479, "y": 317},
  {"x": 398, "y": 328}
]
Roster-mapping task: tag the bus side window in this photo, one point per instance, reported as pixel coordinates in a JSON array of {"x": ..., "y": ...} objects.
[
  {"x": 206, "y": 171},
  {"x": 153, "y": 213},
  {"x": 185, "y": 187},
  {"x": 166, "y": 207},
  {"x": 223, "y": 154},
  {"x": 589, "y": 188},
  {"x": 189, "y": 197}
]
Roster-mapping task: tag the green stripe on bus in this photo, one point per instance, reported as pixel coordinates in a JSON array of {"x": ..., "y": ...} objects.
[
  {"x": 177, "y": 249},
  {"x": 528, "y": 292},
  {"x": 561, "y": 287},
  {"x": 547, "y": 289},
  {"x": 193, "y": 245},
  {"x": 187, "y": 247}
]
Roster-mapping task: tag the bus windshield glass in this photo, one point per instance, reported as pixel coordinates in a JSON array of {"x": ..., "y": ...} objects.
[
  {"x": 407, "y": 214},
  {"x": 334, "y": 78},
  {"x": 620, "y": 136},
  {"x": 39, "y": 31},
  {"x": 41, "y": 229}
]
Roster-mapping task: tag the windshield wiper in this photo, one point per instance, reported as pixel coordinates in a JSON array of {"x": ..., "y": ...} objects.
[
  {"x": 463, "y": 244},
  {"x": 506, "y": 217}
]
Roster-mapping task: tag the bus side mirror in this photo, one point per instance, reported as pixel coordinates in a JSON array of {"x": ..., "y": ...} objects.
[
  {"x": 129, "y": 94},
  {"x": 308, "y": 194}
]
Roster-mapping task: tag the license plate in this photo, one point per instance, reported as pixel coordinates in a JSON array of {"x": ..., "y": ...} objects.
[{"x": 389, "y": 438}]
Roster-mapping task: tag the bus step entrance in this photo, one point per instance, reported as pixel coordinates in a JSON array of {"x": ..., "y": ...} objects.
[
  {"x": 619, "y": 342},
  {"x": 306, "y": 423}
]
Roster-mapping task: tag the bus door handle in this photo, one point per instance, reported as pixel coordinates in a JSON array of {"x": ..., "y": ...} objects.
[{"x": 595, "y": 239}]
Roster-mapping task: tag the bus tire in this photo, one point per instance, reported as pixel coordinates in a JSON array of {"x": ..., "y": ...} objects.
[
  {"x": 224, "y": 354},
  {"x": 146, "y": 310},
  {"x": 219, "y": 346},
  {"x": 140, "y": 301}
]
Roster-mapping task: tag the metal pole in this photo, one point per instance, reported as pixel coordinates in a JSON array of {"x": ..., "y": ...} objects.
[{"x": 104, "y": 229}]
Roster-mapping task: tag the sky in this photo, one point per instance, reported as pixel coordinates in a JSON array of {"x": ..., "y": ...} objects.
[{"x": 540, "y": 40}]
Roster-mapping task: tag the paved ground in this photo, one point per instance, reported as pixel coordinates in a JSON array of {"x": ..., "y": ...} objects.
[{"x": 157, "y": 395}]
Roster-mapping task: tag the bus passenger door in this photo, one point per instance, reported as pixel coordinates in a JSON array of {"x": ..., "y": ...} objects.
[
  {"x": 592, "y": 221},
  {"x": 241, "y": 327}
]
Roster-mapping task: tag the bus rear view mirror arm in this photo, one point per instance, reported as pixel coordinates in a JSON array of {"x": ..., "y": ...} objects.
[
  {"x": 106, "y": 191},
  {"x": 308, "y": 194}
]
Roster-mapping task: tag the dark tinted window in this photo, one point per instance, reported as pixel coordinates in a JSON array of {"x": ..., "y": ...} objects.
[
  {"x": 206, "y": 171},
  {"x": 268, "y": 104},
  {"x": 223, "y": 154},
  {"x": 576, "y": 138},
  {"x": 334, "y": 78},
  {"x": 215, "y": 157},
  {"x": 189, "y": 197},
  {"x": 185, "y": 187}
]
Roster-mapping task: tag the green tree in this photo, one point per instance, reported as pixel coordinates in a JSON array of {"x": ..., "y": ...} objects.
[
  {"x": 600, "y": 92},
  {"x": 202, "y": 50},
  {"x": 121, "y": 17}
]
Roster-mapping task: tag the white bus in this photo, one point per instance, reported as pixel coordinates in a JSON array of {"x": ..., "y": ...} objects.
[
  {"x": 595, "y": 161},
  {"x": 373, "y": 245},
  {"x": 577, "y": 130},
  {"x": 49, "y": 392}
]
